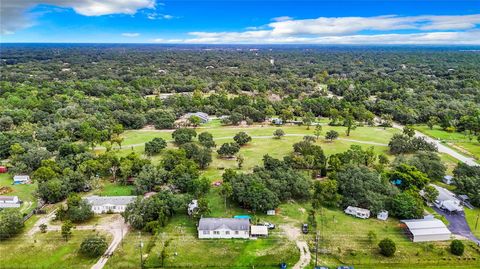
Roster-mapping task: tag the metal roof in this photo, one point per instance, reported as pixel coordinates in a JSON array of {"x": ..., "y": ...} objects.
[
  {"x": 426, "y": 227},
  {"x": 8, "y": 198},
  {"x": 211, "y": 224},
  {"x": 259, "y": 230},
  {"x": 109, "y": 200}
]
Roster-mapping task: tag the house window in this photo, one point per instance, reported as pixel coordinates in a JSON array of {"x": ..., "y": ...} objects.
[
  {"x": 216, "y": 232},
  {"x": 206, "y": 232},
  {"x": 236, "y": 232},
  {"x": 227, "y": 232}
]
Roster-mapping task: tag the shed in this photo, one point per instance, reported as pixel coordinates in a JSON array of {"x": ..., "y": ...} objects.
[
  {"x": 426, "y": 230},
  {"x": 447, "y": 180},
  {"x": 382, "y": 215},
  {"x": 358, "y": 212},
  {"x": 21, "y": 179},
  {"x": 9, "y": 201},
  {"x": 271, "y": 212},
  {"x": 3, "y": 169},
  {"x": 258, "y": 230}
]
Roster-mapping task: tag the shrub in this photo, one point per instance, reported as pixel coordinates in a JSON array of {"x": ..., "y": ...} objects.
[
  {"x": 387, "y": 247},
  {"x": 93, "y": 246},
  {"x": 457, "y": 247}
]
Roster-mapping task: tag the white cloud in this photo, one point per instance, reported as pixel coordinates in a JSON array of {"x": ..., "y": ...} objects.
[
  {"x": 157, "y": 16},
  {"x": 282, "y": 18},
  {"x": 432, "y": 38},
  {"x": 348, "y": 25},
  {"x": 14, "y": 13},
  {"x": 130, "y": 34},
  {"x": 427, "y": 29}
]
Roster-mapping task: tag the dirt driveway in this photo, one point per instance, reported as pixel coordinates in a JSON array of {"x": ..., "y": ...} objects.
[{"x": 294, "y": 234}]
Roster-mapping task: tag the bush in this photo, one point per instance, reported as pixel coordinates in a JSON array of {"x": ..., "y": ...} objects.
[
  {"x": 387, "y": 247},
  {"x": 457, "y": 247},
  {"x": 93, "y": 246}
]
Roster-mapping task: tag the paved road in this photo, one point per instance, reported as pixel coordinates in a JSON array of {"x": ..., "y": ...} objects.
[
  {"x": 458, "y": 224},
  {"x": 441, "y": 147}
]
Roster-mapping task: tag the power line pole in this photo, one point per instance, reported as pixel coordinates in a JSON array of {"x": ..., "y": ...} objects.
[
  {"x": 316, "y": 249},
  {"x": 476, "y": 223},
  {"x": 141, "y": 246}
]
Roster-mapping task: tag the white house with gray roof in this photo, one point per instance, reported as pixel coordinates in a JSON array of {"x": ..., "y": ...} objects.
[
  {"x": 223, "y": 228},
  {"x": 114, "y": 204}
]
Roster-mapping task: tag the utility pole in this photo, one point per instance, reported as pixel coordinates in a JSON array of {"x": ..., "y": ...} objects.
[
  {"x": 141, "y": 246},
  {"x": 476, "y": 223},
  {"x": 316, "y": 249}
]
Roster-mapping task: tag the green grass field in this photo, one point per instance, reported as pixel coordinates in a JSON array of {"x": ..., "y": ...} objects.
[
  {"x": 24, "y": 192},
  {"x": 459, "y": 141},
  {"x": 108, "y": 188},
  {"x": 472, "y": 215},
  {"x": 47, "y": 250}
]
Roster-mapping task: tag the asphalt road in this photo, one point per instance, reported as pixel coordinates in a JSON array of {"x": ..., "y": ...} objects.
[{"x": 458, "y": 224}]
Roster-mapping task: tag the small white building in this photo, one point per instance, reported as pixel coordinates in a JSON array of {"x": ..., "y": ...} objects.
[
  {"x": 358, "y": 212},
  {"x": 382, "y": 215},
  {"x": 9, "y": 202},
  {"x": 105, "y": 204},
  {"x": 204, "y": 118},
  {"x": 447, "y": 180},
  {"x": 223, "y": 228},
  {"x": 426, "y": 230},
  {"x": 259, "y": 231},
  {"x": 271, "y": 212},
  {"x": 21, "y": 179}
]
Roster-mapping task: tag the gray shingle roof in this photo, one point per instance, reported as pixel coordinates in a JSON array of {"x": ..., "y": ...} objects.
[
  {"x": 211, "y": 224},
  {"x": 110, "y": 200}
]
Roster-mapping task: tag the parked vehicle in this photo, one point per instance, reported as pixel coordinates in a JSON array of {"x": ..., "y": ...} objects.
[
  {"x": 270, "y": 226},
  {"x": 283, "y": 266},
  {"x": 305, "y": 228}
]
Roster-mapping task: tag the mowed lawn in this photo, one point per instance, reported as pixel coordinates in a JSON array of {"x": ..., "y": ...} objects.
[
  {"x": 178, "y": 241},
  {"x": 24, "y": 191},
  {"x": 458, "y": 140},
  {"x": 472, "y": 216},
  {"x": 345, "y": 239},
  {"x": 48, "y": 250}
]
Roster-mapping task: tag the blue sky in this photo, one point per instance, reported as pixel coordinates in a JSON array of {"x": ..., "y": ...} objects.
[{"x": 313, "y": 22}]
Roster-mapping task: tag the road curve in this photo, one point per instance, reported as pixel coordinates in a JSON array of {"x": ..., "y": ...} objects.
[{"x": 441, "y": 147}]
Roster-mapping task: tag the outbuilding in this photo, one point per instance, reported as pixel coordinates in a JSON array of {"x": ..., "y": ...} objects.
[
  {"x": 259, "y": 231},
  {"x": 382, "y": 215},
  {"x": 426, "y": 230},
  {"x": 3, "y": 169},
  {"x": 447, "y": 180},
  {"x": 358, "y": 212},
  {"x": 21, "y": 179},
  {"x": 9, "y": 202}
]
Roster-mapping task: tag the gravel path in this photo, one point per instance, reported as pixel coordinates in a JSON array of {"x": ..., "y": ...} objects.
[
  {"x": 294, "y": 234},
  {"x": 116, "y": 227}
]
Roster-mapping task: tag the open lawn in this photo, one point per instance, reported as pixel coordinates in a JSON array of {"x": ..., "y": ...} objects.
[
  {"x": 472, "y": 215},
  {"x": 24, "y": 192},
  {"x": 345, "y": 239},
  {"x": 459, "y": 141},
  {"x": 47, "y": 250},
  {"x": 108, "y": 188},
  {"x": 262, "y": 143}
]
